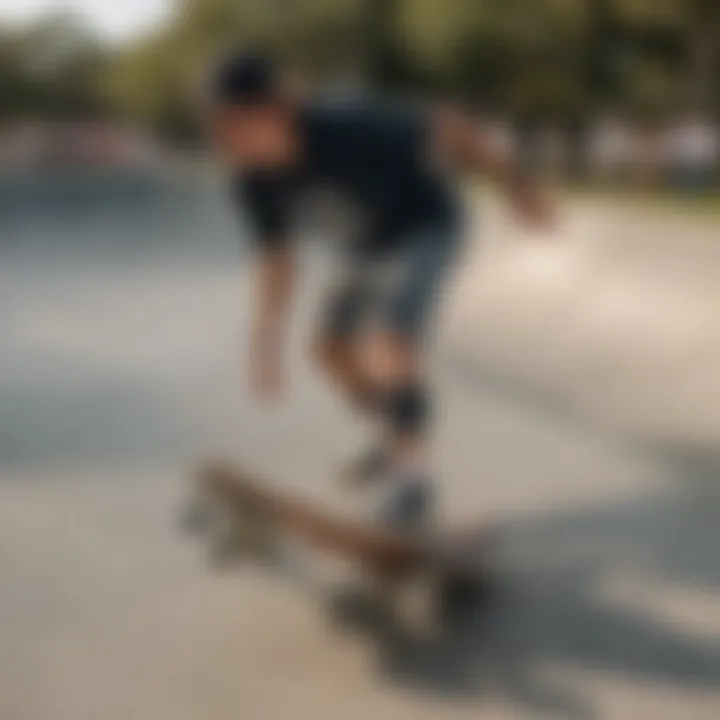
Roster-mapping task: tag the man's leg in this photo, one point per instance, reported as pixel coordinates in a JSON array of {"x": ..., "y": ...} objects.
[
  {"x": 391, "y": 363},
  {"x": 382, "y": 371},
  {"x": 338, "y": 357},
  {"x": 336, "y": 351},
  {"x": 340, "y": 360},
  {"x": 393, "y": 355}
]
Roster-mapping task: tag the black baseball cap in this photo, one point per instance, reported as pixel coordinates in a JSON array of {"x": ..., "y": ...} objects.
[{"x": 245, "y": 79}]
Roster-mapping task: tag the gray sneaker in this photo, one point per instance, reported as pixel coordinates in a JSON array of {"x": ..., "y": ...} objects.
[{"x": 408, "y": 504}]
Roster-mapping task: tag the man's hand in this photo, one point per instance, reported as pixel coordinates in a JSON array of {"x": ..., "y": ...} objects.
[
  {"x": 534, "y": 209},
  {"x": 459, "y": 141}
]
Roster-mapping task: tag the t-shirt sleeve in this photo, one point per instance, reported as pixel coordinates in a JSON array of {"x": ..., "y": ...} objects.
[{"x": 264, "y": 201}]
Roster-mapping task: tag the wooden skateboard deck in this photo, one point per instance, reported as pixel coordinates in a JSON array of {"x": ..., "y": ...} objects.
[{"x": 243, "y": 515}]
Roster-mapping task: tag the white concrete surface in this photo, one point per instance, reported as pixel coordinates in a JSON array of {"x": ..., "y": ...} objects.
[{"x": 561, "y": 379}]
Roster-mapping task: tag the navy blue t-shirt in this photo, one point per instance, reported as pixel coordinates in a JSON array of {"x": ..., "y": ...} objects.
[{"x": 375, "y": 157}]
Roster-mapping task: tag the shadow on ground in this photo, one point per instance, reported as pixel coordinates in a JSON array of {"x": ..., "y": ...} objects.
[
  {"x": 553, "y": 604},
  {"x": 549, "y": 609}
]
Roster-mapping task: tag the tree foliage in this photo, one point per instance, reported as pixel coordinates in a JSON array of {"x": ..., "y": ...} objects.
[{"x": 538, "y": 59}]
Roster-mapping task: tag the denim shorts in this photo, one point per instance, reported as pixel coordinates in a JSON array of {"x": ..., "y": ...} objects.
[{"x": 397, "y": 290}]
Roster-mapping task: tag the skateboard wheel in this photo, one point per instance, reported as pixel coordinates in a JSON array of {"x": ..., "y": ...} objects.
[
  {"x": 227, "y": 541},
  {"x": 461, "y": 595},
  {"x": 238, "y": 534}
]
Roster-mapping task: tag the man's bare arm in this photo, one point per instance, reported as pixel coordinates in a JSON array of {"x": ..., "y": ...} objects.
[
  {"x": 458, "y": 140},
  {"x": 275, "y": 273},
  {"x": 275, "y": 276}
]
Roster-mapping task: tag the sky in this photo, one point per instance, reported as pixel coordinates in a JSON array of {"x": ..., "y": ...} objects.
[{"x": 115, "y": 20}]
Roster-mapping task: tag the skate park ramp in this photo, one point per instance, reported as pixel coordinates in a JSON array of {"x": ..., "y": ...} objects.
[
  {"x": 577, "y": 385},
  {"x": 615, "y": 315}
]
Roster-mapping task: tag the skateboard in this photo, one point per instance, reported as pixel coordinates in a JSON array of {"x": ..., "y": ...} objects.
[{"x": 244, "y": 517}]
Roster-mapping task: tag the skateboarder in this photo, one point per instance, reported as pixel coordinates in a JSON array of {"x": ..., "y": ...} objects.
[{"x": 397, "y": 168}]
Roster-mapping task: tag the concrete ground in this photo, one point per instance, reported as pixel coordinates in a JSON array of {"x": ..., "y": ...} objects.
[{"x": 578, "y": 386}]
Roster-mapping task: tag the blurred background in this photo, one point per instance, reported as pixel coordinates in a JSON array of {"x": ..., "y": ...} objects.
[
  {"x": 608, "y": 92},
  {"x": 577, "y": 375}
]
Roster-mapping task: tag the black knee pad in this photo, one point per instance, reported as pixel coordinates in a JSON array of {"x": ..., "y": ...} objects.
[{"x": 408, "y": 408}]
